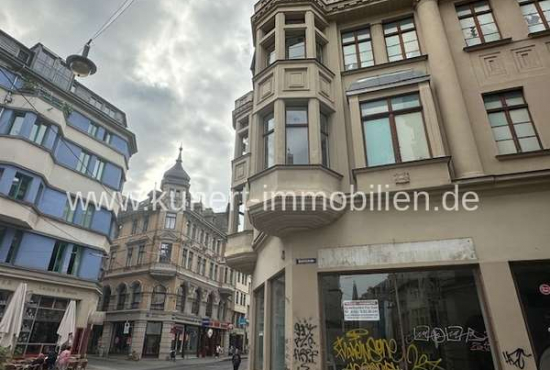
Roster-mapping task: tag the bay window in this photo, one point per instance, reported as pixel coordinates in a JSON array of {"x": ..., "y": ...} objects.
[
  {"x": 269, "y": 140},
  {"x": 19, "y": 186},
  {"x": 99, "y": 167},
  {"x": 297, "y": 149},
  {"x": 401, "y": 40},
  {"x": 165, "y": 255},
  {"x": 325, "y": 153},
  {"x": 511, "y": 123},
  {"x": 536, "y": 14},
  {"x": 17, "y": 124},
  {"x": 477, "y": 22},
  {"x": 394, "y": 130},
  {"x": 296, "y": 46}
]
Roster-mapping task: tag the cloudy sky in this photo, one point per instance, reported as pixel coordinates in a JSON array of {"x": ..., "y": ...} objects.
[{"x": 174, "y": 66}]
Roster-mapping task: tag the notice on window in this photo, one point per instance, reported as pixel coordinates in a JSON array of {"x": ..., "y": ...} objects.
[{"x": 366, "y": 310}]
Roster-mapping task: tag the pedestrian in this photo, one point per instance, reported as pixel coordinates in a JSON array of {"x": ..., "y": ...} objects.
[
  {"x": 218, "y": 351},
  {"x": 236, "y": 359},
  {"x": 63, "y": 359},
  {"x": 51, "y": 359}
]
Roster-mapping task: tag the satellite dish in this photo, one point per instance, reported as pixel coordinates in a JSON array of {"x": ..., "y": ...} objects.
[{"x": 80, "y": 64}]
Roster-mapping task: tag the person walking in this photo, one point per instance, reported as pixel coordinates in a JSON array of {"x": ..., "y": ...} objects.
[
  {"x": 236, "y": 359},
  {"x": 63, "y": 359}
]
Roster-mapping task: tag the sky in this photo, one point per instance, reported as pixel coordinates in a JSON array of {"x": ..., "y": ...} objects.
[{"x": 175, "y": 67}]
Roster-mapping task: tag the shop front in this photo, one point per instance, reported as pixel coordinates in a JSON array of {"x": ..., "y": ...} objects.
[
  {"x": 153, "y": 336},
  {"x": 405, "y": 319},
  {"x": 121, "y": 339},
  {"x": 191, "y": 343},
  {"x": 209, "y": 339}
]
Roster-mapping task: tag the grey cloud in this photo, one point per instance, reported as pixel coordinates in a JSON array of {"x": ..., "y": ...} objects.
[{"x": 174, "y": 66}]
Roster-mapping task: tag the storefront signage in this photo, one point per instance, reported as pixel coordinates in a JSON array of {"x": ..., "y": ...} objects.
[
  {"x": 205, "y": 322},
  {"x": 366, "y": 310},
  {"x": 306, "y": 261},
  {"x": 126, "y": 328},
  {"x": 210, "y": 333},
  {"x": 545, "y": 289}
]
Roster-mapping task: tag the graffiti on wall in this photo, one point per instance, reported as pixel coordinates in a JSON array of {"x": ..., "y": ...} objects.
[
  {"x": 359, "y": 350},
  {"x": 516, "y": 358},
  {"x": 306, "y": 349},
  {"x": 475, "y": 340}
]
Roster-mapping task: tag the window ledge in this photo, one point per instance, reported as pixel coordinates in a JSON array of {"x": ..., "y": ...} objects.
[
  {"x": 386, "y": 65},
  {"x": 487, "y": 45},
  {"x": 536, "y": 153},
  {"x": 403, "y": 164},
  {"x": 543, "y": 33}
]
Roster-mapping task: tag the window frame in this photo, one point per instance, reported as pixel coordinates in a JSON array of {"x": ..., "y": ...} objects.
[
  {"x": 540, "y": 12},
  {"x": 326, "y": 136},
  {"x": 295, "y": 35},
  {"x": 40, "y": 130},
  {"x": 288, "y": 126},
  {"x": 16, "y": 193},
  {"x": 510, "y": 124},
  {"x": 170, "y": 221},
  {"x": 266, "y": 134},
  {"x": 474, "y": 15},
  {"x": 391, "y": 114},
  {"x": 13, "y": 120},
  {"x": 400, "y": 33},
  {"x": 165, "y": 252},
  {"x": 356, "y": 42}
]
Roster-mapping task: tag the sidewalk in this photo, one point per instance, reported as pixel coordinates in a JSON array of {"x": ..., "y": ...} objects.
[{"x": 108, "y": 363}]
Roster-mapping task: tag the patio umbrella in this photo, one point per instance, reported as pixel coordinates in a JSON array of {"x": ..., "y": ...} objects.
[
  {"x": 67, "y": 327},
  {"x": 10, "y": 326}
]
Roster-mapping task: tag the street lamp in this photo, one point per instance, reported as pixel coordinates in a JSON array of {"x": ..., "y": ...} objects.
[{"x": 80, "y": 64}]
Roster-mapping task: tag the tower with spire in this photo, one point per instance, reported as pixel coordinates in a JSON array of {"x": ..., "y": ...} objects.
[{"x": 176, "y": 181}]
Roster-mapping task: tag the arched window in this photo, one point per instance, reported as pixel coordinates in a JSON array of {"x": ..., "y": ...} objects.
[
  {"x": 106, "y": 298},
  {"x": 159, "y": 298},
  {"x": 136, "y": 295},
  {"x": 122, "y": 292},
  {"x": 210, "y": 305},
  {"x": 197, "y": 302},
  {"x": 181, "y": 298}
]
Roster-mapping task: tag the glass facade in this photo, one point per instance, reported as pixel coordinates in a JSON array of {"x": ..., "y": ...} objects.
[
  {"x": 406, "y": 320},
  {"x": 259, "y": 328}
]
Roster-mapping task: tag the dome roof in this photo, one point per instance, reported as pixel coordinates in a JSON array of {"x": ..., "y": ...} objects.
[{"x": 177, "y": 174}]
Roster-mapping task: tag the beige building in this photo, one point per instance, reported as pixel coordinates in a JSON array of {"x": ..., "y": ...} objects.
[
  {"x": 59, "y": 143},
  {"x": 167, "y": 286},
  {"x": 384, "y": 103}
]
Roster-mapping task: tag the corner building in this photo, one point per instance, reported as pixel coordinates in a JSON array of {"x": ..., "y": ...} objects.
[
  {"x": 167, "y": 286},
  {"x": 58, "y": 140},
  {"x": 393, "y": 98}
]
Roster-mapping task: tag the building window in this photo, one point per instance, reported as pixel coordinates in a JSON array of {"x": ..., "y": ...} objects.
[
  {"x": 536, "y": 14},
  {"x": 240, "y": 214},
  {"x": 269, "y": 140},
  {"x": 74, "y": 260},
  {"x": 158, "y": 298},
  {"x": 278, "y": 323},
  {"x": 38, "y": 132},
  {"x": 511, "y": 123},
  {"x": 83, "y": 162},
  {"x": 87, "y": 216},
  {"x": 357, "y": 49},
  {"x": 325, "y": 153},
  {"x": 215, "y": 272},
  {"x": 259, "y": 330},
  {"x": 271, "y": 56},
  {"x": 409, "y": 312},
  {"x": 320, "y": 51},
  {"x": 134, "y": 226},
  {"x": 243, "y": 143},
  {"x": 203, "y": 267},
  {"x": 477, "y": 22},
  {"x": 19, "y": 186},
  {"x": 136, "y": 295},
  {"x": 199, "y": 262},
  {"x": 92, "y": 129},
  {"x": 211, "y": 271},
  {"x": 209, "y": 305},
  {"x": 141, "y": 255},
  {"x": 189, "y": 265},
  {"x": 129, "y": 255},
  {"x": 17, "y": 124},
  {"x": 99, "y": 168},
  {"x": 196, "y": 302},
  {"x": 106, "y": 297},
  {"x": 122, "y": 295},
  {"x": 181, "y": 298},
  {"x": 401, "y": 40},
  {"x": 170, "y": 221},
  {"x": 297, "y": 148},
  {"x": 394, "y": 130},
  {"x": 165, "y": 253},
  {"x": 112, "y": 260},
  {"x": 56, "y": 259},
  {"x": 296, "y": 46}
]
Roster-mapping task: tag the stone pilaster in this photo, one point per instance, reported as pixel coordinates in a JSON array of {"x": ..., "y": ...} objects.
[
  {"x": 166, "y": 340},
  {"x": 138, "y": 337},
  {"x": 465, "y": 156}
]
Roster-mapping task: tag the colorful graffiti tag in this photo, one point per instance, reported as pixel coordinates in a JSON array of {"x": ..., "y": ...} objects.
[{"x": 360, "y": 351}]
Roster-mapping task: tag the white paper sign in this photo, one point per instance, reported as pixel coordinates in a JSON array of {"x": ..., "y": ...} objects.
[{"x": 366, "y": 310}]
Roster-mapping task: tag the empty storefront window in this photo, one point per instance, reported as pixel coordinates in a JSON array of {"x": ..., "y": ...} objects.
[
  {"x": 259, "y": 302},
  {"x": 403, "y": 319},
  {"x": 533, "y": 285},
  {"x": 278, "y": 323}
]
